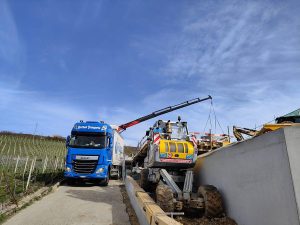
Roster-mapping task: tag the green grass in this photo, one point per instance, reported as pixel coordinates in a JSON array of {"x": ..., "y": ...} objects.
[
  {"x": 48, "y": 155},
  {"x": 2, "y": 218},
  {"x": 30, "y": 146}
]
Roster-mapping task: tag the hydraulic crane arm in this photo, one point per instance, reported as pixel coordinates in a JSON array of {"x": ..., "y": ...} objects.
[
  {"x": 238, "y": 131},
  {"x": 161, "y": 112}
]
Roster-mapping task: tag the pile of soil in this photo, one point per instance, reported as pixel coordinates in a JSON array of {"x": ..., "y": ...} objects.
[{"x": 206, "y": 221}]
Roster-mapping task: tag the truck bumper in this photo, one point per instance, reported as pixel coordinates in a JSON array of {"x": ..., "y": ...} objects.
[{"x": 72, "y": 175}]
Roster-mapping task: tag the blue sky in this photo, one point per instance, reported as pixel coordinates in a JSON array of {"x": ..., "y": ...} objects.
[{"x": 62, "y": 61}]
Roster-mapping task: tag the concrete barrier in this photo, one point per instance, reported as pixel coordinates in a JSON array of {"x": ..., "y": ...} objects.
[
  {"x": 259, "y": 178},
  {"x": 147, "y": 211},
  {"x": 131, "y": 191}
]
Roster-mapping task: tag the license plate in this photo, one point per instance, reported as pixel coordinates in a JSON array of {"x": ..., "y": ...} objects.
[{"x": 86, "y": 157}]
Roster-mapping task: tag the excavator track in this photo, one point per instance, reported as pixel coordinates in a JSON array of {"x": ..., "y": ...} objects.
[
  {"x": 164, "y": 198},
  {"x": 212, "y": 200}
]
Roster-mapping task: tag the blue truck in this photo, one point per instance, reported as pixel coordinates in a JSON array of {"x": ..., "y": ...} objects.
[{"x": 95, "y": 151}]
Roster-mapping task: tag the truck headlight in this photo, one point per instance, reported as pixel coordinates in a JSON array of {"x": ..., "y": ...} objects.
[
  {"x": 68, "y": 169},
  {"x": 100, "y": 170}
]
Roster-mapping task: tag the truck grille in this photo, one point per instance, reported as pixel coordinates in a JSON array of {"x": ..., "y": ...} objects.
[{"x": 84, "y": 166}]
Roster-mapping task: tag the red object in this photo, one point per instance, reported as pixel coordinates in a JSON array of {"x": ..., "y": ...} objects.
[
  {"x": 156, "y": 139},
  {"x": 194, "y": 140}
]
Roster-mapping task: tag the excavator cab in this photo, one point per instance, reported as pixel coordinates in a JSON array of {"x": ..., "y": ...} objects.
[
  {"x": 170, "y": 145},
  {"x": 171, "y": 130}
]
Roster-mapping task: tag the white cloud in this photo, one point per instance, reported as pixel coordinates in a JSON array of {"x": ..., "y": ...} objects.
[{"x": 245, "y": 54}]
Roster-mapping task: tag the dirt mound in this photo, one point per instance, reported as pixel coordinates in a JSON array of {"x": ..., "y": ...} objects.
[{"x": 206, "y": 221}]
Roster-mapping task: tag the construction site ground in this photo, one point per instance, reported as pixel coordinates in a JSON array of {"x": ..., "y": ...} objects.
[
  {"x": 79, "y": 204},
  {"x": 87, "y": 203},
  {"x": 204, "y": 221},
  {"x": 193, "y": 219}
]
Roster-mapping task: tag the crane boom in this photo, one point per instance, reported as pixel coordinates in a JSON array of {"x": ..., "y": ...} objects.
[{"x": 161, "y": 112}]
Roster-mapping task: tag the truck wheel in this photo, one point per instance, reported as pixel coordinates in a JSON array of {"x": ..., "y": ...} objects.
[
  {"x": 164, "y": 198},
  {"x": 144, "y": 182},
  {"x": 120, "y": 173},
  {"x": 213, "y": 204},
  {"x": 105, "y": 181}
]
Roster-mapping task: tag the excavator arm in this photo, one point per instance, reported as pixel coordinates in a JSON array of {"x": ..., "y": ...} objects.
[
  {"x": 238, "y": 131},
  {"x": 161, "y": 112}
]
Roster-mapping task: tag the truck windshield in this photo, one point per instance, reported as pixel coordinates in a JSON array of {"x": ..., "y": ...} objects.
[{"x": 88, "y": 140}]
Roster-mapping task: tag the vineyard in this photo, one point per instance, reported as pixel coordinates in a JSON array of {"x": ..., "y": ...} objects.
[{"x": 27, "y": 163}]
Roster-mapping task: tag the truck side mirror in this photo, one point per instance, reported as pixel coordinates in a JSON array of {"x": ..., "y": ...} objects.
[
  {"x": 147, "y": 133},
  {"x": 68, "y": 140}
]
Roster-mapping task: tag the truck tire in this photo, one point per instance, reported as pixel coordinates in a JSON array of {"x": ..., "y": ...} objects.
[
  {"x": 213, "y": 203},
  {"x": 105, "y": 181},
  {"x": 164, "y": 198},
  {"x": 120, "y": 173},
  {"x": 144, "y": 182}
]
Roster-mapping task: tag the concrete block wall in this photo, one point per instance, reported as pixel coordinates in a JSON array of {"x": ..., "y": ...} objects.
[{"x": 259, "y": 178}]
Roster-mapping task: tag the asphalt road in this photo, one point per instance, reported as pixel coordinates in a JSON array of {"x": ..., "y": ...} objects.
[{"x": 85, "y": 205}]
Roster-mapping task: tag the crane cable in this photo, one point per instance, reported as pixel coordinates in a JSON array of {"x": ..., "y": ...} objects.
[
  {"x": 208, "y": 119},
  {"x": 216, "y": 121}
]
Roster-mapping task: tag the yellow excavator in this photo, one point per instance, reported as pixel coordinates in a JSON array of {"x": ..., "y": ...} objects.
[
  {"x": 165, "y": 159},
  {"x": 290, "y": 119}
]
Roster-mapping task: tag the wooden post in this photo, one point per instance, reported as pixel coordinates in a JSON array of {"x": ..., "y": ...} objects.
[
  {"x": 62, "y": 164},
  {"x": 17, "y": 164},
  {"x": 30, "y": 171},
  {"x": 25, "y": 167},
  {"x": 45, "y": 164},
  {"x": 56, "y": 163}
]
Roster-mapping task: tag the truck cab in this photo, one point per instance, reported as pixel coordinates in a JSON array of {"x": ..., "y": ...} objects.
[{"x": 89, "y": 152}]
